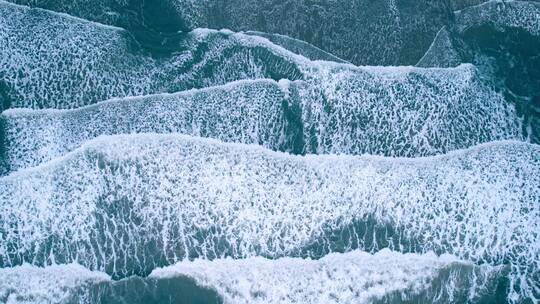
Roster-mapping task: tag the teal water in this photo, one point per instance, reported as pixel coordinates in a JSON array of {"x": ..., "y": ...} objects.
[
  {"x": 269, "y": 151},
  {"x": 175, "y": 284}
]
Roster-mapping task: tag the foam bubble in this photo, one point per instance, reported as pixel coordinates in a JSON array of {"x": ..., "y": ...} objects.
[{"x": 126, "y": 204}]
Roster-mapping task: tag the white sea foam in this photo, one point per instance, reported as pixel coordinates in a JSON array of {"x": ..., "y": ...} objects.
[
  {"x": 243, "y": 111},
  {"x": 49, "y": 60},
  {"x": 105, "y": 63},
  {"x": 447, "y": 49},
  {"x": 359, "y": 31},
  {"x": 441, "y": 53},
  {"x": 392, "y": 111},
  {"x": 402, "y": 111},
  {"x": 338, "y": 109},
  {"x": 126, "y": 204},
  {"x": 524, "y": 15},
  {"x": 53, "y": 284},
  {"x": 354, "y": 277}
]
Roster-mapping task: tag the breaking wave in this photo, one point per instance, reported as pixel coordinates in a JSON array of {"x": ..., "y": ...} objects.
[
  {"x": 385, "y": 277},
  {"x": 385, "y": 32},
  {"x": 128, "y": 200},
  {"x": 144, "y": 201},
  {"x": 79, "y": 62},
  {"x": 98, "y": 62},
  {"x": 500, "y": 38},
  {"x": 339, "y": 109}
]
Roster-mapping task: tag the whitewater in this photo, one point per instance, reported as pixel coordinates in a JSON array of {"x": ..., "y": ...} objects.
[
  {"x": 137, "y": 202},
  {"x": 213, "y": 151}
]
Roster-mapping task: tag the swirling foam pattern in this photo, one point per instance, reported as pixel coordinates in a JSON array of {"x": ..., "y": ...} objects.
[
  {"x": 386, "y": 32},
  {"x": 108, "y": 62},
  {"x": 501, "y": 39},
  {"x": 98, "y": 216},
  {"x": 341, "y": 109},
  {"x": 402, "y": 111},
  {"x": 47, "y": 59},
  {"x": 383, "y": 33},
  {"x": 128, "y": 204},
  {"x": 248, "y": 112},
  {"x": 80, "y": 62},
  {"x": 355, "y": 277},
  {"x": 501, "y": 14}
]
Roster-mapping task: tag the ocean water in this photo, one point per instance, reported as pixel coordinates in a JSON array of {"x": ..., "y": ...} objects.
[{"x": 212, "y": 151}]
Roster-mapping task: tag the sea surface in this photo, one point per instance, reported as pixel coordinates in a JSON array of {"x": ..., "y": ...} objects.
[{"x": 261, "y": 151}]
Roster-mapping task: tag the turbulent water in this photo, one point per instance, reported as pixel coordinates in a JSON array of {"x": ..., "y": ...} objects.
[
  {"x": 336, "y": 278},
  {"x": 147, "y": 155}
]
